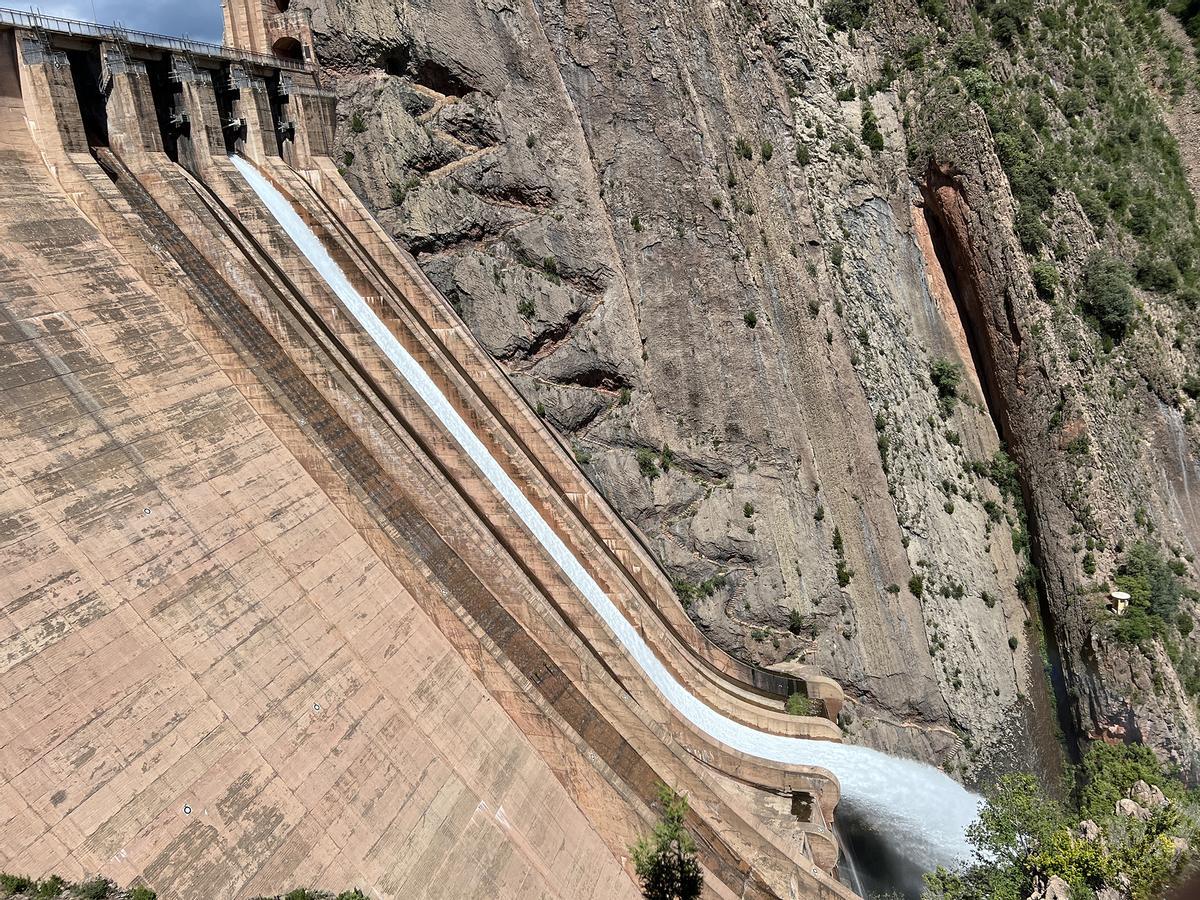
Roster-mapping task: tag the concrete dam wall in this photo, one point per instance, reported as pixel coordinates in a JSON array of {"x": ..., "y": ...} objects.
[{"x": 266, "y": 623}]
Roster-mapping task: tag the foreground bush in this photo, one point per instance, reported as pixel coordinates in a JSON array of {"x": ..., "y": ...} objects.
[
  {"x": 1103, "y": 838},
  {"x": 666, "y": 860},
  {"x": 21, "y": 887},
  {"x": 55, "y": 888}
]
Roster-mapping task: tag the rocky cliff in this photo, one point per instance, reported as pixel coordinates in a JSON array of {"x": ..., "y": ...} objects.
[{"x": 789, "y": 276}]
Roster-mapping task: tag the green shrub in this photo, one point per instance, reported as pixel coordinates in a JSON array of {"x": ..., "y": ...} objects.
[
  {"x": 1156, "y": 274},
  {"x": 357, "y": 125},
  {"x": 750, "y": 317},
  {"x": 1003, "y": 472},
  {"x": 1073, "y": 103},
  {"x": 844, "y": 573},
  {"x": 871, "y": 134},
  {"x": 94, "y": 889},
  {"x": 743, "y": 149},
  {"x": 1009, "y": 18},
  {"x": 914, "y": 54},
  {"x": 402, "y": 190},
  {"x": 50, "y": 887},
  {"x": 647, "y": 461},
  {"x": 1109, "y": 770},
  {"x": 665, "y": 862},
  {"x": 1013, "y": 642},
  {"x": 916, "y": 586},
  {"x": 799, "y": 705},
  {"x": 1035, "y": 112},
  {"x": 1022, "y": 837},
  {"x": 766, "y": 150},
  {"x": 803, "y": 156},
  {"x": 141, "y": 892},
  {"x": 1094, "y": 207},
  {"x": 1034, "y": 175},
  {"x": 936, "y": 11},
  {"x": 847, "y": 14},
  {"x": 1009, "y": 150},
  {"x": 685, "y": 590},
  {"x": 1029, "y": 582},
  {"x": 1141, "y": 218},
  {"x": 1154, "y": 593},
  {"x": 1045, "y": 278},
  {"x": 1030, "y": 229},
  {"x": 795, "y": 622},
  {"x": 689, "y": 592},
  {"x": 15, "y": 884},
  {"x": 946, "y": 376},
  {"x": 971, "y": 52},
  {"x": 1107, "y": 298}
]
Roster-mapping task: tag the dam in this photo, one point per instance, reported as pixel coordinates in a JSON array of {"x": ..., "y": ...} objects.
[{"x": 299, "y": 591}]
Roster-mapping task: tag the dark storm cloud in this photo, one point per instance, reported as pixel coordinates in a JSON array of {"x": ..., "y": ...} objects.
[{"x": 199, "y": 19}]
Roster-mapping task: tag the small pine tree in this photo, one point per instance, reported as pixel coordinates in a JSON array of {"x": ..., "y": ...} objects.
[
  {"x": 871, "y": 134},
  {"x": 666, "y": 861}
]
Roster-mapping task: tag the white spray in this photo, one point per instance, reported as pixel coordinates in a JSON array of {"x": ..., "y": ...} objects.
[{"x": 925, "y": 810}]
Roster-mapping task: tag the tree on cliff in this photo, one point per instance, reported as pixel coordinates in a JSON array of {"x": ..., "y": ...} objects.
[
  {"x": 1024, "y": 839},
  {"x": 666, "y": 860}
]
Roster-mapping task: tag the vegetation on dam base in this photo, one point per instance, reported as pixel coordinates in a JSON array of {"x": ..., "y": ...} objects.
[
  {"x": 100, "y": 888},
  {"x": 666, "y": 859}
]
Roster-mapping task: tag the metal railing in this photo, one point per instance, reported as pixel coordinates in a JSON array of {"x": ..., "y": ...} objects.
[{"x": 37, "y": 22}]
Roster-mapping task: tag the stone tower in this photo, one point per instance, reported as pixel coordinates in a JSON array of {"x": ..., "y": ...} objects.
[{"x": 269, "y": 26}]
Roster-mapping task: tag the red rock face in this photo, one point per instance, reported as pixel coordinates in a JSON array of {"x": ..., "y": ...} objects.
[{"x": 1025, "y": 386}]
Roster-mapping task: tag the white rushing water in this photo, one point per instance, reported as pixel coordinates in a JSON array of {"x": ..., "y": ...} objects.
[{"x": 924, "y": 811}]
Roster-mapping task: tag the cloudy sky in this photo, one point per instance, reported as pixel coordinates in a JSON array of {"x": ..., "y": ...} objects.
[{"x": 199, "y": 19}]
